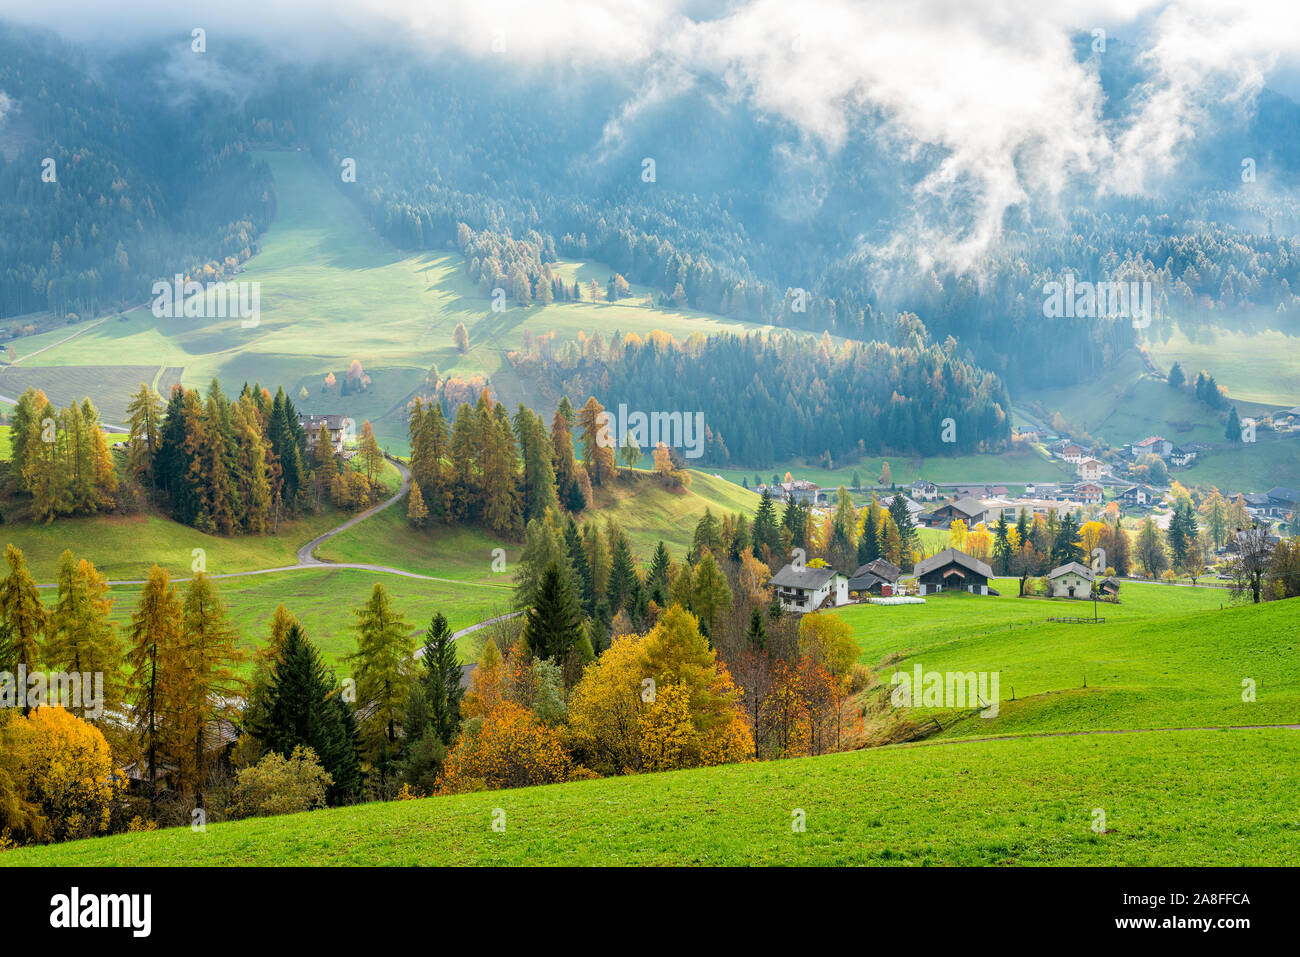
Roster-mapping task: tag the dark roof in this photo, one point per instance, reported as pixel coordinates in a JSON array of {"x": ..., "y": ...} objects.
[
  {"x": 865, "y": 581},
  {"x": 805, "y": 577},
  {"x": 879, "y": 571},
  {"x": 1081, "y": 570},
  {"x": 968, "y": 506},
  {"x": 951, "y": 556},
  {"x": 884, "y": 568},
  {"x": 1283, "y": 494},
  {"x": 331, "y": 420}
]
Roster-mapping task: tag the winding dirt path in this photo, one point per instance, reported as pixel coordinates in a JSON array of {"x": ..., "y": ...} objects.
[{"x": 307, "y": 559}]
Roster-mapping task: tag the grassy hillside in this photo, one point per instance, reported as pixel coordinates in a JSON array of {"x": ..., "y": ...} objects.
[
  {"x": 643, "y": 508},
  {"x": 126, "y": 547},
  {"x": 331, "y": 291},
  {"x": 324, "y": 600},
  {"x": 1166, "y": 657},
  {"x": 1010, "y": 468},
  {"x": 1170, "y": 798},
  {"x": 1126, "y": 404},
  {"x": 1255, "y": 366}
]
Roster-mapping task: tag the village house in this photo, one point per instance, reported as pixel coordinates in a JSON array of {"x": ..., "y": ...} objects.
[
  {"x": 338, "y": 427},
  {"x": 1182, "y": 457},
  {"x": 800, "y": 490},
  {"x": 1282, "y": 501},
  {"x": 1071, "y": 580},
  {"x": 878, "y": 577},
  {"x": 1089, "y": 493},
  {"x": 1152, "y": 445},
  {"x": 1109, "y": 587},
  {"x": 970, "y": 510},
  {"x": 952, "y": 570},
  {"x": 1256, "y": 504},
  {"x": 978, "y": 491},
  {"x": 914, "y": 509},
  {"x": 923, "y": 491},
  {"x": 806, "y": 588},
  {"x": 1074, "y": 454},
  {"x": 1011, "y": 509},
  {"x": 1090, "y": 470},
  {"x": 1138, "y": 496}
]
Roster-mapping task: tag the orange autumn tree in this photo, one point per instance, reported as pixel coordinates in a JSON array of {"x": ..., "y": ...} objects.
[
  {"x": 508, "y": 748},
  {"x": 486, "y": 683},
  {"x": 502, "y": 744}
]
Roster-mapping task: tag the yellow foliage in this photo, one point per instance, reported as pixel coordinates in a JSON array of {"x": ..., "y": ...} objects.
[{"x": 61, "y": 765}]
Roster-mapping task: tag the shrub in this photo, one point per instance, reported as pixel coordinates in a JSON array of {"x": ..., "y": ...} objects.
[
  {"x": 279, "y": 785},
  {"x": 859, "y": 678}
]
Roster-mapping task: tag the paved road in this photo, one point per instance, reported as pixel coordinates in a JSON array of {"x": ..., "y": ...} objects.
[{"x": 306, "y": 554}]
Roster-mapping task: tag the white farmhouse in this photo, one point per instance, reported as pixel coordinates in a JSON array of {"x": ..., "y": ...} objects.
[
  {"x": 1071, "y": 580},
  {"x": 1090, "y": 470},
  {"x": 806, "y": 589}
]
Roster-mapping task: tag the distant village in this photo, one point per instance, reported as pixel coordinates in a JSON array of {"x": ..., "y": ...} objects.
[{"x": 807, "y": 587}]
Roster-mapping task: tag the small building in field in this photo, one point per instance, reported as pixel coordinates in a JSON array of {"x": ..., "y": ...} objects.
[
  {"x": 923, "y": 491},
  {"x": 1071, "y": 580},
  {"x": 806, "y": 588},
  {"x": 952, "y": 570},
  {"x": 877, "y": 577},
  {"x": 1109, "y": 587},
  {"x": 1152, "y": 445}
]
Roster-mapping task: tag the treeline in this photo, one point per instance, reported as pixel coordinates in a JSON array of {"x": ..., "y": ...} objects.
[
  {"x": 498, "y": 472},
  {"x": 768, "y": 399},
  {"x": 181, "y": 731},
  {"x": 238, "y": 467},
  {"x": 60, "y": 457},
  {"x": 583, "y": 593},
  {"x": 95, "y": 229},
  {"x": 164, "y": 726},
  {"x": 224, "y": 466}
]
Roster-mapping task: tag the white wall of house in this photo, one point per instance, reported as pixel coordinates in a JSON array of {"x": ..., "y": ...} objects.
[
  {"x": 837, "y": 589},
  {"x": 1061, "y": 586}
]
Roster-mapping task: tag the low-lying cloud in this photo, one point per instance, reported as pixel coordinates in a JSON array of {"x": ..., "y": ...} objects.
[{"x": 994, "y": 96}]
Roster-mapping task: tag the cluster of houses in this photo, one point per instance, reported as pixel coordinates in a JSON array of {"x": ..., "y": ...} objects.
[
  {"x": 799, "y": 490},
  {"x": 1157, "y": 445},
  {"x": 806, "y": 588},
  {"x": 1277, "y": 503}
]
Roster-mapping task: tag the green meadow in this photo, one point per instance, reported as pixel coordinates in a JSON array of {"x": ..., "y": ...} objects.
[
  {"x": 325, "y": 600},
  {"x": 1167, "y": 657},
  {"x": 126, "y": 547},
  {"x": 1261, "y": 367},
  {"x": 1169, "y": 798}
]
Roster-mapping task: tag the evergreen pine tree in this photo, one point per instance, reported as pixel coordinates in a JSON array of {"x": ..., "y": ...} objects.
[{"x": 553, "y": 624}]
